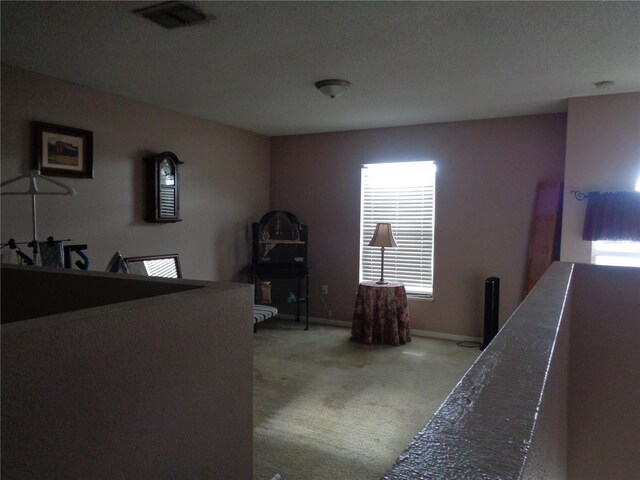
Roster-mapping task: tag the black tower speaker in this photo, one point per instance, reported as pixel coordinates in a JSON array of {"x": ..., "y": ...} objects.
[{"x": 491, "y": 309}]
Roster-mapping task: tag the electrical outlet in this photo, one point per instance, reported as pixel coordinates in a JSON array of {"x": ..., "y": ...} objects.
[{"x": 325, "y": 289}]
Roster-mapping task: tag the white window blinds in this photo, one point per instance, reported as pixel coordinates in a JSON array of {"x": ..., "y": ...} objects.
[
  {"x": 402, "y": 194},
  {"x": 619, "y": 253}
]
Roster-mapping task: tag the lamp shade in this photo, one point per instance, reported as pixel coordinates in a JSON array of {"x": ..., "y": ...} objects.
[{"x": 383, "y": 236}]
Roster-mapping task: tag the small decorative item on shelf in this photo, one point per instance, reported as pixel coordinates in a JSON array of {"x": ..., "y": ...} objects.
[{"x": 265, "y": 292}]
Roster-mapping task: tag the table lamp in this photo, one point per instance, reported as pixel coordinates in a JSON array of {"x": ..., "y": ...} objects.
[{"x": 382, "y": 237}]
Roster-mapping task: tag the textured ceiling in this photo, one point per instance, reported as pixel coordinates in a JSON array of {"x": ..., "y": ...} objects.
[{"x": 255, "y": 65}]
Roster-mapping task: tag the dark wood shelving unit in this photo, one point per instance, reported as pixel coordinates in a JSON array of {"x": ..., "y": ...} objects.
[{"x": 279, "y": 245}]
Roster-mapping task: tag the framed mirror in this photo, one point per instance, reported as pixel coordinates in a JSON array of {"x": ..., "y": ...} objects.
[{"x": 167, "y": 266}]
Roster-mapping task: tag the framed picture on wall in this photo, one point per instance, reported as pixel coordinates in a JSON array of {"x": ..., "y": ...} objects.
[{"x": 63, "y": 151}]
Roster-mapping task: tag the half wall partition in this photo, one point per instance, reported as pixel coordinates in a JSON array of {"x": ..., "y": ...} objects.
[{"x": 554, "y": 396}]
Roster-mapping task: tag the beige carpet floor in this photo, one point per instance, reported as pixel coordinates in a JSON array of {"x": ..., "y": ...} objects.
[{"x": 326, "y": 407}]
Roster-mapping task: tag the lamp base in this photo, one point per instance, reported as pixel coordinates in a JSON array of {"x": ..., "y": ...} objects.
[{"x": 381, "y": 282}]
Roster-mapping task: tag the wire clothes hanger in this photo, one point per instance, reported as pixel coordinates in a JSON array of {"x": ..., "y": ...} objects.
[{"x": 34, "y": 178}]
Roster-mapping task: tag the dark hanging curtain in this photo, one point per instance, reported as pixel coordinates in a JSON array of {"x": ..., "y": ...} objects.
[{"x": 612, "y": 216}]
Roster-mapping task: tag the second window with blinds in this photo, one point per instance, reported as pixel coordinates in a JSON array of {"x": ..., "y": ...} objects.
[{"x": 402, "y": 194}]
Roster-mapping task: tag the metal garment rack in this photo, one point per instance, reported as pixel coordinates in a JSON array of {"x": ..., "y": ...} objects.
[{"x": 34, "y": 177}]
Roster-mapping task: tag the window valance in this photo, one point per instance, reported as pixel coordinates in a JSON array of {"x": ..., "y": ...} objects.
[{"x": 612, "y": 216}]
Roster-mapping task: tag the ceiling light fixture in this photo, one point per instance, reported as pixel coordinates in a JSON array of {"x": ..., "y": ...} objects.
[{"x": 333, "y": 88}]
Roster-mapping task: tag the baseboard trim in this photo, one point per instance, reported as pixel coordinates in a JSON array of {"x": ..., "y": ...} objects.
[
  {"x": 418, "y": 333},
  {"x": 318, "y": 320},
  {"x": 444, "y": 336},
  {"x": 330, "y": 321}
]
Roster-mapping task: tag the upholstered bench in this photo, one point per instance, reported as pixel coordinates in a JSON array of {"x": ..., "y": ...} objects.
[{"x": 261, "y": 313}]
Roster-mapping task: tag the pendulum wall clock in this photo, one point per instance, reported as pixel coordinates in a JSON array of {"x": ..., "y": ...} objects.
[{"x": 163, "y": 188}]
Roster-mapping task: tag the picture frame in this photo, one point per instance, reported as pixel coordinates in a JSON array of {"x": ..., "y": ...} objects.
[{"x": 63, "y": 151}]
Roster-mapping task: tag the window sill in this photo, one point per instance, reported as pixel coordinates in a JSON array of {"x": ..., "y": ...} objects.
[{"x": 419, "y": 298}]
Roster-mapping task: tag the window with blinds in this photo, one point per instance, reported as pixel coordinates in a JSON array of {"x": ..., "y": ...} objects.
[
  {"x": 402, "y": 194},
  {"x": 618, "y": 253}
]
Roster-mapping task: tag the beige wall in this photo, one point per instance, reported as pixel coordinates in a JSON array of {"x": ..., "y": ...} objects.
[
  {"x": 603, "y": 154},
  {"x": 604, "y": 381},
  {"x": 506, "y": 418},
  {"x": 156, "y": 387},
  {"x": 547, "y": 456},
  {"x": 555, "y": 394},
  {"x": 225, "y": 178},
  {"x": 49, "y": 296},
  {"x": 485, "y": 190}
]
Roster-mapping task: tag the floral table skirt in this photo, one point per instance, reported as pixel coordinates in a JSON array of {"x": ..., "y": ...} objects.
[{"x": 381, "y": 314}]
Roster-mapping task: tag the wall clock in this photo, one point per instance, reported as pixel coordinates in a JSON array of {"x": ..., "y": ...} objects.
[{"x": 163, "y": 188}]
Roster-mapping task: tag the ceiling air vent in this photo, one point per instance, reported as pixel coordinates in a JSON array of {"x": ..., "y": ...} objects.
[{"x": 172, "y": 14}]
